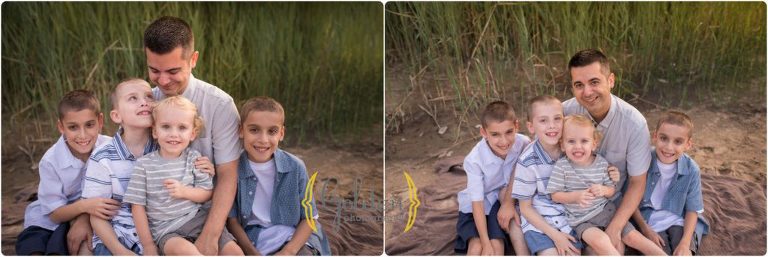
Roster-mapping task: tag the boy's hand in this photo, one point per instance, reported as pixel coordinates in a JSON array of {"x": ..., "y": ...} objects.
[
  {"x": 505, "y": 215},
  {"x": 102, "y": 208},
  {"x": 205, "y": 165},
  {"x": 585, "y": 198},
  {"x": 175, "y": 188},
  {"x": 597, "y": 190},
  {"x": 564, "y": 245},
  {"x": 682, "y": 250},
  {"x": 487, "y": 250},
  {"x": 613, "y": 173},
  {"x": 80, "y": 235}
]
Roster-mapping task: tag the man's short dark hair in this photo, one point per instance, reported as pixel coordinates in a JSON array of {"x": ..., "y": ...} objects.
[
  {"x": 167, "y": 33},
  {"x": 589, "y": 56}
]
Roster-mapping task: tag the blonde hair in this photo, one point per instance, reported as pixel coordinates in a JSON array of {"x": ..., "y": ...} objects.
[
  {"x": 182, "y": 103},
  {"x": 582, "y": 121}
]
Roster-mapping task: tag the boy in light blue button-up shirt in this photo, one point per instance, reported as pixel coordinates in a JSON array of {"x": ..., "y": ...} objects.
[
  {"x": 489, "y": 168},
  {"x": 670, "y": 212}
]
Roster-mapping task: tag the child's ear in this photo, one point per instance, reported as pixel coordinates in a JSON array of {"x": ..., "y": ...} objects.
[
  {"x": 115, "y": 117},
  {"x": 689, "y": 144},
  {"x": 529, "y": 125},
  {"x": 60, "y": 126},
  {"x": 483, "y": 132},
  {"x": 240, "y": 131},
  {"x": 282, "y": 132},
  {"x": 100, "y": 121},
  {"x": 154, "y": 132}
]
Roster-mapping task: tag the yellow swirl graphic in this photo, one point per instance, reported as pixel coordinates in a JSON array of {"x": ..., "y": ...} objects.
[
  {"x": 307, "y": 202},
  {"x": 413, "y": 198}
]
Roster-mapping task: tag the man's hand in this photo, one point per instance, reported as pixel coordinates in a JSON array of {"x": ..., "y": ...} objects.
[
  {"x": 654, "y": 237},
  {"x": 204, "y": 164},
  {"x": 615, "y": 236},
  {"x": 175, "y": 188},
  {"x": 80, "y": 234},
  {"x": 564, "y": 244},
  {"x": 103, "y": 208},
  {"x": 207, "y": 245},
  {"x": 613, "y": 173}
]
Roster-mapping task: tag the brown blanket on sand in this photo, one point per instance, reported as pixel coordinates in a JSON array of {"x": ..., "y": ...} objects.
[{"x": 735, "y": 208}]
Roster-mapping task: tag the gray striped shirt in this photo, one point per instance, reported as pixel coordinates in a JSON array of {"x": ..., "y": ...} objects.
[
  {"x": 165, "y": 213},
  {"x": 567, "y": 178}
]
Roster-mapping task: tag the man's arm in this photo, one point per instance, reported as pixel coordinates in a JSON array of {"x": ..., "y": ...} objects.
[
  {"x": 629, "y": 204},
  {"x": 223, "y": 197}
]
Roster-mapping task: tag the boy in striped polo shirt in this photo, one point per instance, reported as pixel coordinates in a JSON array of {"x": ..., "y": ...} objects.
[
  {"x": 167, "y": 191},
  {"x": 580, "y": 183}
]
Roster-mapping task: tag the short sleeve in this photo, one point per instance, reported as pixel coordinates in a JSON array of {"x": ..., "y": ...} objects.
[
  {"x": 303, "y": 180},
  {"x": 639, "y": 151},
  {"x": 524, "y": 185},
  {"x": 474, "y": 181},
  {"x": 557, "y": 179},
  {"x": 694, "y": 201},
  {"x": 137, "y": 186},
  {"x": 50, "y": 191},
  {"x": 225, "y": 140},
  {"x": 96, "y": 182}
]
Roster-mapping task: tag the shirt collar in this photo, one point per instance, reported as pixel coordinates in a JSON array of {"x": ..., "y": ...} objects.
[
  {"x": 682, "y": 164},
  {"x": 191, "y": 86},
  {"x": 69, "y": 159},
  {"x": 122, "y": 149},
  {"x": 538, "y": 149}
]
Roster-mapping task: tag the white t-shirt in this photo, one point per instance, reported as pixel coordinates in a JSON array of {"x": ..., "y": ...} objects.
[
  {"x": 661, "y": 220},
  {"x": 272, "y": 237}
]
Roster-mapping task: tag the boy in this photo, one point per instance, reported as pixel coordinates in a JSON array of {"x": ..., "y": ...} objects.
[
  {"x": 46, "y": 220},
  {"x": 167, "y": 191},
  {"x": 268, "y": 216},
  {"x": 111, "y": 165},
  {"x": 544, "y": 223},
  {"x": 669, "y": 213},
  {"x": 578, "y": 182},
  {"x": 489, "y": 167}
]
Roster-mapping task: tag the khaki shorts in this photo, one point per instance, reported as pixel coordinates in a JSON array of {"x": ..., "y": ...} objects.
[
  {"x": 191, "y": 230},
  {"x": 601, "y": 220}
]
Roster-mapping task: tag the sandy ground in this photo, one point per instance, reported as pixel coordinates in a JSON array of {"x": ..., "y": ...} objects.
[
  {"x": 344, "y": 168},
  {"x": 729, "y": 146}
]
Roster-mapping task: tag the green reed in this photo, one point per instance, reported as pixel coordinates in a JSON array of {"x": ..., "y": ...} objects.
[
  {"x": 322, "y": 61},
  {"x": 671, "y": 53}
]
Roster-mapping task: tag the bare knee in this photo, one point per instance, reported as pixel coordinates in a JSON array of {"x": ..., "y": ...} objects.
[
  {"x": 475, "y": 247},
  {"x": 599, "y": 241},
  {"x": 231, "y": 249},
  {"x": 498, "y": 246},
  {"x": 179, "y": 246}
]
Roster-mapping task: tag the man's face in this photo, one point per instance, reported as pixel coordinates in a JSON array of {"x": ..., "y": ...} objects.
[
  {"x": 171, "y": 71},
  {"x": 592, "y": 88}
]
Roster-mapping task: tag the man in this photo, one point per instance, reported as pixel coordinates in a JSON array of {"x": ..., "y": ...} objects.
[
  {"x": 169, "y": 47},
  {"x": 626, "y": 140}
]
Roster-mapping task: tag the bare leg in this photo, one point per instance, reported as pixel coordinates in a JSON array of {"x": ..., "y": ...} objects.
[
  {"x": 518, "y": 240},
  {"x": 636, "y": 240},
  {"x": 231, "y": 249},
  {"x": 85, "y": 249},
  {"x": 180, "y": 246},
  {"x": 599, "y": 241},
  {"x": 498, "y": 246},
  {"x": 548, "y": 252},
  {"x": 474, "y": 248}
]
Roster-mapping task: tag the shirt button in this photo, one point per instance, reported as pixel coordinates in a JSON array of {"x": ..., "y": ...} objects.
[{"x": 250, "y": 193}]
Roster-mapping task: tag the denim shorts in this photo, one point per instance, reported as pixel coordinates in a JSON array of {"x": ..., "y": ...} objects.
[
  {"x": 538, "y": 242},
  {"x": 37, "y": 240}
]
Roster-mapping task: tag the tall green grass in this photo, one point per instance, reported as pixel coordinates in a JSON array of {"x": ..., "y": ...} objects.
[
  {"x": 322, "y": 61},
  {"x": 672, "y": 53}
]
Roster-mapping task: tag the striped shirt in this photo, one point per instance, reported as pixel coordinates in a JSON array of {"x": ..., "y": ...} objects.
[
  {"x": 531, "y": 176},
  {"x": 567, "y": 178},
  {"x": 107, "y": 175},
  {"x": 165, "y": 213}
]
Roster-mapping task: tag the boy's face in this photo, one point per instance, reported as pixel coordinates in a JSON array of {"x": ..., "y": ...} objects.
[
  {"x": 81, "y": 130},
  {"x": 174, "y": 129},
  {"x": 578, "y": 144},
  {"x": 546, "y": 121},
  {"x": 500, "y": 136},
  {"x": 134, "y": 106},
  {"x": 592, "y": 88},
  {"x": 171, "y": 71},
  {"x": 671, "y": 141},
  {"x": 261, "y": 132}
]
